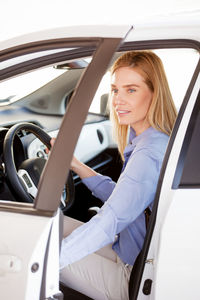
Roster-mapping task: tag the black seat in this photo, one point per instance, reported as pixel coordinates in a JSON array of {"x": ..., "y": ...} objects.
[{"x": 71, "y": 294}]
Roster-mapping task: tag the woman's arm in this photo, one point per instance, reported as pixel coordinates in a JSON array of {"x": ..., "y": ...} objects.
[
  {"x": 77, "y": 166},
  {"x": 101, "y": 186},
  {"x": 81, "y": 169}
]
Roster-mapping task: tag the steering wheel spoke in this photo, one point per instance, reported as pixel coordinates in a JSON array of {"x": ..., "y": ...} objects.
[{"x": 27, "y": 182}]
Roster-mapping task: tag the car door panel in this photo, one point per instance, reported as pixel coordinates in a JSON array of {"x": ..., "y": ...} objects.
[
  {"x": 42, "y": 253},
  {"x": 171, "y": 245}
]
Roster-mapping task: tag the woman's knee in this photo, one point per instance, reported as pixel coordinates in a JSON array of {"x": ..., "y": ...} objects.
[{"x": 69, "y": 225}]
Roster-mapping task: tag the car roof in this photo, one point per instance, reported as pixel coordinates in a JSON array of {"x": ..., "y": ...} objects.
[
  {"x": 177, "y": 26},
  {"x": 173, "y": 26},
  {"x": 91, "y": 31}
]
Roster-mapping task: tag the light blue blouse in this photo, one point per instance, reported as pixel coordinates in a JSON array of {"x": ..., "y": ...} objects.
[{"x": 124, "y": 202}]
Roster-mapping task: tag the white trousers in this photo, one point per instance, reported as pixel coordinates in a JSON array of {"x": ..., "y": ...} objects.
[{"x": 101, "y": 275}]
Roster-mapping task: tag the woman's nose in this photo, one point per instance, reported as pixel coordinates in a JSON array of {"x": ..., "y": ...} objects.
[{"x": 118, "y": 99}]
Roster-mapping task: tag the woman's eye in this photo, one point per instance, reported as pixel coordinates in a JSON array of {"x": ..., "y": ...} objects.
[
  {"x": 131, "y": 91},
  {"x": 114, "y": 91}
]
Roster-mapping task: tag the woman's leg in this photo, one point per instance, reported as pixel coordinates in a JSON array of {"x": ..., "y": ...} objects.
[
  {"x": 101, "y": 275},
  {"x": 69, "y": 224},
  {"x": 98, "y": 277}
]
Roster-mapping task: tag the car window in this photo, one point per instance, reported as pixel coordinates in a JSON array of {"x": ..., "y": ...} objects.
[
  {"x": 43, "y": 90},
  {"x": 179, "y": 65},
  {"x": 188, "y": 171},
  {"x": 21, "y": 86}
]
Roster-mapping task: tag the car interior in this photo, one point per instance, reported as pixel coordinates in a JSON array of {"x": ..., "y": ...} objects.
[
  {"x": 32, "y": 106},
  {"x": 102, "y": 156}
]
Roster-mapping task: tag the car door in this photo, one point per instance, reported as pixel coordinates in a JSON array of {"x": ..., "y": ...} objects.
[
  {"x": 29, "y": 247},
  {"x": 168, "y": 266}
]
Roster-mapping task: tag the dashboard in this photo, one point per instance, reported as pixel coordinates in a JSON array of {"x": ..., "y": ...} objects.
[{"x": 94, "y": 139}]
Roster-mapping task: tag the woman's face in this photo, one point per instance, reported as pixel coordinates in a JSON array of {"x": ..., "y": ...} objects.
[{"x": 131, "y": 98}]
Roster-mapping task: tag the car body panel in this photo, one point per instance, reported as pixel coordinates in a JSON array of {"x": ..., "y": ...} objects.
[
  {"x": 16, "y": 269},
  {"x": 174, "y": 27},
  {"x": 166, "y": 252},
  {"x": 68, "y": 32},
  {"x": 182, "y": 205}
]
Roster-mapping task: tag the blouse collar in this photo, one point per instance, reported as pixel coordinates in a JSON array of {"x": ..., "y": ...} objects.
[{"x": 133, "y": 139}]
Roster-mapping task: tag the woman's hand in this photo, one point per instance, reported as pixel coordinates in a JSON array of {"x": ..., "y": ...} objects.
[
  {"x": 77, "y": 166},
  {"x": 75, "y": 163},
  {"x": 52, "y": 141}
]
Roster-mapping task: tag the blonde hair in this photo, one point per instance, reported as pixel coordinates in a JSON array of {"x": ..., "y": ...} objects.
[{"x": 162, "y": 112}]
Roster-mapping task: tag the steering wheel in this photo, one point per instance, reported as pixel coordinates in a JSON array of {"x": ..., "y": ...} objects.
[{"x": 25, "y": 180}]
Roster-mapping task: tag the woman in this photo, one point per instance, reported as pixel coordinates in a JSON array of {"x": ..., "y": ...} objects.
[{"x": 97, "y": 258}]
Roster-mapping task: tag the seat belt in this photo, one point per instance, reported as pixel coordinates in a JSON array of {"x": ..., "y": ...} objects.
[{"x": 147, "y": 214}]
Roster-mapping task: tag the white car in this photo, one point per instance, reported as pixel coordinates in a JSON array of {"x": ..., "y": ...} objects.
[{"x": 56, "y": 83}]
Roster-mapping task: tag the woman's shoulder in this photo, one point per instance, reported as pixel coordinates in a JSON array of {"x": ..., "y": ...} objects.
[{"x": 153, "y": 141}]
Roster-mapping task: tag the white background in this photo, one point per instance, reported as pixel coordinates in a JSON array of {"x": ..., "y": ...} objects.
[{"x": 23, "y": 16}]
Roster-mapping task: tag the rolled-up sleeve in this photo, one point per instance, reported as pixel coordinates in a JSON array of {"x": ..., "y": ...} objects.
[
  {"x": 88, "y": 238},
  {"x": 100, "y": 186}
]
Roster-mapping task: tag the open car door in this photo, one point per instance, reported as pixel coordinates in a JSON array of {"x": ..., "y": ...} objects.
[{"x": 30, "y": 232}]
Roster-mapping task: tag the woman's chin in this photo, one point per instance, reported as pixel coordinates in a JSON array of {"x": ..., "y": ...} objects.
[{"x": 123, "y": 122}]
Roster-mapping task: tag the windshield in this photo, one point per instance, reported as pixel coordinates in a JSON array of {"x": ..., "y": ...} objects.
[{"x": 18, "y": 87}]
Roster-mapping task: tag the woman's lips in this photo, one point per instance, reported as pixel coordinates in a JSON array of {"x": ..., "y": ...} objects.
[{"x": 122, "y": 112}]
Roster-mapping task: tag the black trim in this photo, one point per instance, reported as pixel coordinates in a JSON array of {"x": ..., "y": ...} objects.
[
  {"x": 47, "y": 45},
  {"x": 85, "y": 47},
  {"x": 191, "y": 124},
  {"x": 45, "y": 60},
  {"x": 184, "y": 175},
  {"x": 160, "y": 44},
  {"x": 91, "y": 43}
]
